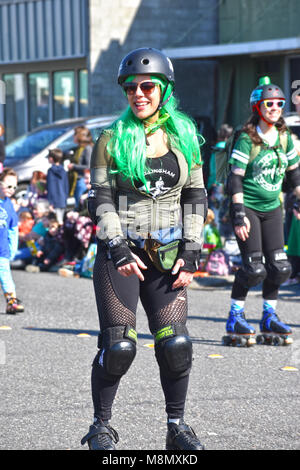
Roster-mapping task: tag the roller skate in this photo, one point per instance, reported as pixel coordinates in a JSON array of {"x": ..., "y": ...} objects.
[
  {"x": 182, "y": 437},
  {"x": 101, "y": 436},
  {"x": 239, "y": 332},
  {"x": 273, "y": 331},
  {"x": 13, "y": 305}
]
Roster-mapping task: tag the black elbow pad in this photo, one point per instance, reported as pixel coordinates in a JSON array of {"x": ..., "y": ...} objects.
[
  {"x": 234, "y": 184},
  {"x": 194, "y": 201},
  {"x": 100, "y": 198}
]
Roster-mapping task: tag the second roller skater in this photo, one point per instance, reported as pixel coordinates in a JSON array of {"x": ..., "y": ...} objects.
[{"x": 262, "y": 155}]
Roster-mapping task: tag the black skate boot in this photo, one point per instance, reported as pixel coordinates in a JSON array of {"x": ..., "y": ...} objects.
[
  {"x": 273, "y": 331},
  {"x": 101, "y": 437},
  {"x": 182, "y": 437}
]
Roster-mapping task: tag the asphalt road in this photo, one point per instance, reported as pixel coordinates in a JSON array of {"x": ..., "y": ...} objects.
[{"x": 239, "y": 398}]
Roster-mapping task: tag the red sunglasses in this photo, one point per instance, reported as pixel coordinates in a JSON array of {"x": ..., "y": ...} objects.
[{"x": 130, "y": 88}]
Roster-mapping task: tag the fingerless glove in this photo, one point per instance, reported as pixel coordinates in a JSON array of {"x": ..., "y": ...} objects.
[
  {"x": 120, "y": 252},
  {"x": 190, "y": 257},
  {"x": 237, "y": 214}
]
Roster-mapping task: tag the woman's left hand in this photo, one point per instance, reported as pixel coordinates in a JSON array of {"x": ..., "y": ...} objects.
[{"x": 184, "y": 278}]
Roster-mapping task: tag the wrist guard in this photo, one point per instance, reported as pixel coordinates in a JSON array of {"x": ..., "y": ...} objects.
[
  {"x": 119, "y": 252},
  {"x": 237, "y": 214},
  {"x": 189, "y": 256}
]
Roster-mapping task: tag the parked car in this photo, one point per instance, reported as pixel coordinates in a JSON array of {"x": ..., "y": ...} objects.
[{"x": 29, "y": 152}]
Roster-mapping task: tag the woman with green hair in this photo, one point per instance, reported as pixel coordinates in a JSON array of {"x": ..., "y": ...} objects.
[{"x": 149, "y": 203}]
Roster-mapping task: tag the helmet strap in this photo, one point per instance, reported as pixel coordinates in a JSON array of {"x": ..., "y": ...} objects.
[{"x": 256, "y": 106}]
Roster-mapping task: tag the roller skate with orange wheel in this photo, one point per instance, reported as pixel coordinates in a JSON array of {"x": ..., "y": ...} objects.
[
  {"x": 273, "y": 331},
  {"x": 239, "y": 332}
]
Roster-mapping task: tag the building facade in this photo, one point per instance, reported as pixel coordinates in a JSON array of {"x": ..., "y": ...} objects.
[
  {"x": 255, "y": 39},
  {"x": 60, "y": 58}
]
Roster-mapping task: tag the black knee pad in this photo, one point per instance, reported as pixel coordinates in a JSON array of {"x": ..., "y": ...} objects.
[
  {"x": 252, "y": 272},
  {"x": 173, "y": 350},
  {"x": 117, "y": 349},
  {"x": 278, "y": 267}
]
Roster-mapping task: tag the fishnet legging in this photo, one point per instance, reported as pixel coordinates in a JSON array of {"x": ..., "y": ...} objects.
[
  {"x": 113, "y": 312},
  {"x": 174, "y": 312}
]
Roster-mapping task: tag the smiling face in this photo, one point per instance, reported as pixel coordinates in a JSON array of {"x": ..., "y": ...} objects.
[
  {"x": 8, "y": 186},
  {"x": 270, "y": 110},
  {"x": 144, "y": 104}
]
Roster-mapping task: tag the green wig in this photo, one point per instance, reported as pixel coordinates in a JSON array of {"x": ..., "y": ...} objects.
[{"x": 127, "y": 145}]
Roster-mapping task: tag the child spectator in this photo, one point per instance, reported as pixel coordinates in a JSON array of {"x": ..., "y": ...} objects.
[
  {"x": 211, "y": 236},
  {"x": 25, "y": 224},
  {"x": 8, "y": 239},
  {"x": 29, "y": 242},
  {"x": 50, "y": 250},
  {"x": 36, "y": 189},
  {"x": 57, "y": 184},
  {"x": 77, "y": 235}
]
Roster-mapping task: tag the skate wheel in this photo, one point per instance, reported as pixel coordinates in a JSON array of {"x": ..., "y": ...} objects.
[
  {"x": 288, "y": 341},
  {"x": 268, "y": 340},
  {"x": 226, "y": 341},
  {"x": 260, "y": 339},
  {"x": 278, "y": 341},
  {"x": 250, "y": 342},
  {"x": 241, "y": 342}
]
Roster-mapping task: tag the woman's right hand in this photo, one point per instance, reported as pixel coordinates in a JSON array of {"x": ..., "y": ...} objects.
[
  {"x": 133, "y": 268},
  {"x": 242, "y": 231}
]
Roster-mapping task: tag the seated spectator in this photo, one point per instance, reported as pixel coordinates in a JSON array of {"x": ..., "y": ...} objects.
[
  {"x": 29, "y": 243},
  {"x": 25, "y": 224},
  {"x": 50, "y": 250},
  {"x": 77, "y": 235}
]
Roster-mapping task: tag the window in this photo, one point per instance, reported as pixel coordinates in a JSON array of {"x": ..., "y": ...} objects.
[
  {"x": 15, "y": 122},
  {"x": 83, "y": 92},
  {"x": 38, "y": 87},
  {"x": 64, "y": 95}
]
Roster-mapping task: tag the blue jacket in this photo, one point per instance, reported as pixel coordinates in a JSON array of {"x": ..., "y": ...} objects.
[
  {"x": 8, "y": 229},
  {"x": 57, "y": 186}
]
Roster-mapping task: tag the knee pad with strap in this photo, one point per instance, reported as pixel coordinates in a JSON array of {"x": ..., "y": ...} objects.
[
  {"x": 117, "y": 349},
  {"x": 253, "y": 270},
  {"x": 173, "y": 350},
  {"x": 278, "y": 267}
]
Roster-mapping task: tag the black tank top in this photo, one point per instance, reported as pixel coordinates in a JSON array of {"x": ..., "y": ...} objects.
[{"x": 162, "y": 174}]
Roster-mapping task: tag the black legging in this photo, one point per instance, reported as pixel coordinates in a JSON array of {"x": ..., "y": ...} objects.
[
  {"x": 117, "y": 298},
  {"x": 266, "y": 236}
]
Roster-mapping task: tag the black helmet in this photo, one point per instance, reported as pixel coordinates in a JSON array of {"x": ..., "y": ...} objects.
[
  {"x": 146, "y": 61},
  {"x": 265, "y": 91}
]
